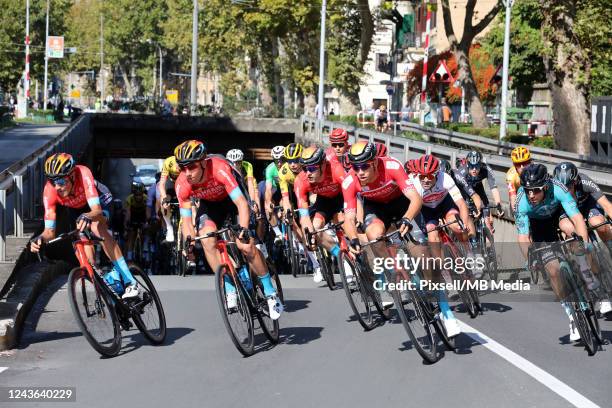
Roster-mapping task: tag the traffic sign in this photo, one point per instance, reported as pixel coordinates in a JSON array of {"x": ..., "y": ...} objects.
[
  {"x": 172, "y": 96},
  {"x": 55, "y": 47},
  {"x": 442, "y": 74}
]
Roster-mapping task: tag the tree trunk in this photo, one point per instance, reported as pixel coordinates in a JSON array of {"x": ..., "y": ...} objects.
[
  {"x": 479, "y": 119},
  {"x": 568, "y": 73},
  {"x": 126, "y": 81},
  {"x": 348, "y": 105},
  {"x": 367, "y": 30},
  {"x": 278, "y": 87},
  {"x": 310, "y": 102}
]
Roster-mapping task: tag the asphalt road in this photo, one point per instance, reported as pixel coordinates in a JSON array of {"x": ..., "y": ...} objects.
[
  {"x": 22, "y": 140},
  {"x": 516, "y": 354}
]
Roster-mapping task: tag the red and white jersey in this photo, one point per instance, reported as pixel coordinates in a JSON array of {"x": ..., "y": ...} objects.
[
  {"x": 329, "y": 186},
  {"x": 391, "y": 182},
  {"x": 218, "y": 183},
  {"x": 444, "y": 186}
]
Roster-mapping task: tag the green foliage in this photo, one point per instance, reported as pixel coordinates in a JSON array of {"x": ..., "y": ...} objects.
[
  {"x": 412, "y": 135},
  {"x": 349, "y": 120},
  {"x": 544, "y": 141}
]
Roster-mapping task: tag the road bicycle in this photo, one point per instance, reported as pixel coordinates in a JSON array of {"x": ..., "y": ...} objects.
[
  {"x": 486, "y": 242},
  {"x": 326, "y": 262}
]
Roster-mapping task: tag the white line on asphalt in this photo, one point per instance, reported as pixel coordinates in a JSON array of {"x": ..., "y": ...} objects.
[
  {"x": 554, "y": 384},
  {"x": 3, "y": 368}
]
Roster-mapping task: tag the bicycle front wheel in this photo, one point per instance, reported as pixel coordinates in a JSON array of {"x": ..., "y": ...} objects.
[
  {"x": 490, "y": 254},
  {"x": 94, "y": 312},
  {"x": 357, "y": 294},
  {"x": 147, "y": 312},
  {"x": 238, "y": 319}
]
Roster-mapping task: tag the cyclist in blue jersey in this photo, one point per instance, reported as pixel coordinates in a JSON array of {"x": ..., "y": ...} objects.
[{"x": 540, "y": 203}]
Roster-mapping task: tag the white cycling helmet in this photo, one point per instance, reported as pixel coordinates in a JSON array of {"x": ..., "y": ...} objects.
[
  {"x": 235, "y": 155},
  {"x": 277, "y": 152}
]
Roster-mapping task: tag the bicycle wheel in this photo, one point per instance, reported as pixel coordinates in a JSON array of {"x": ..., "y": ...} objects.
[
  {"x": 535, "y": 275},
  {"x": 94, "y": 312},
  {"x": 605, "y": 266},
  {"x": 292, "y": 252},
  {"x": 326, "y": 268},
  {"x": 268, "y": 326},
  {"x": 490, "y": 254},
  {"x": 276, "y": 281},
  {"x": 594, "y": 323},
  {"x": 238, "y": 320},
  {"x": 579, "y": 313},
  {"x": 432, "y": 312},
  {"x": 368, "y": 278},
  {"x": 415, "y": 322},
  {"x": 147, "y": 312},
  {"x": 450, "y": 251},
  {"x": 138, "y": 249},
  {"x": 358, "y": 296}
]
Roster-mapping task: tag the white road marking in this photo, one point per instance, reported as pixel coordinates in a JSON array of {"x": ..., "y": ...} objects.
[
  {"x": 3, "y": 369},
  {"x": 554, "y": 384}
]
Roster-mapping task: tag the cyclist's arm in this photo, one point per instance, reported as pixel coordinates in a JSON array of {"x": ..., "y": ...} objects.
[
  {"x": 349, "y": 193},
  {"x": 522, "y": 225},
  {"x": 268, "y": 198},
  {"x": 524, "y": 243},
  {"x": 91, "y": 193},
  {"x": 606, "y": 205},
  {"x": 161, "y": 186},
  {"x": 186, "y": 214},
  {"x": 571, "y": 209},
  {"x": 301, "y": 192},
  {"x": 284, "y": 187},
  {"x": 50, "y": 202},
  {"x": 511, "y": 192}
]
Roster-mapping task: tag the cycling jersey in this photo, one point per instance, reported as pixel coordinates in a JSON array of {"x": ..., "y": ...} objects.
[
  {"x": 84, "y": 192},
  {"x": 138, "y": 207},
  {"x": 272, "y": 175},
  {"x": 218, "y": 182},
  {"x": 586, "y": 188},
  {"x": 443, "y": 186},
  {"x": 330, "y": 154},
  {"x": 555, "y": 197},
  {"x": 513, "y": 180},
  {"x": 152, "y": 198},
  {"x": 247, "y": 173},
  {"x": 285, "y": 178},
  {"x": 170, "y": 168},
  {"x": 330, "y": 185},
  {"x": 391, "y": 182},
  {"x": 486, "y": 172}
]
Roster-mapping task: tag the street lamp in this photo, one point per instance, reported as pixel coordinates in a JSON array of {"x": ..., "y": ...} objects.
[
  {"x": 322, "y": 65},
  {"x": 503, "y": 118}
]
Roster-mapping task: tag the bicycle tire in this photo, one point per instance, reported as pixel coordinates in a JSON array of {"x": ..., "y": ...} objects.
[
  {"x": 104, "y": 306},
  {"x": 490, "y": 254},
  {"x": 293, "y": 252},
  {"x": 243, "y": 308},
  {"x": 450, "y": 251},
  {"x": 605, "y": 267},
  {"x": 535, "y": 275},
  {"x": 148, "y": 294},
  {"x": 435, "y": 318},
  {"x": 578, "y": 314},
  {"x": 138, "y": 249},
  {"x": 269, "y": 327},
  {"x": 413, "y": 317},
  {"x": 594, "y": 324},
  {"x": 365, "y": 319},
  {"x": 276, "y": 278},
  {"x": 326, "y": 268},
  {"x": 368, "y": 277}
]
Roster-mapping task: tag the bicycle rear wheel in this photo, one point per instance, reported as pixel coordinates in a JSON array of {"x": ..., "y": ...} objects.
[
  {"x": 269, "y": 326},
  {"x": 490, "y": 253},
  {"x": 466, "y": 298},
  {"x": 94, "y": 312},
  {"x": 415, "y": 321},
  {"x": 147, "y": 312},
  {"x": 326, "y": 268},
  {"x": 357, "y": 294},
  {"x": 238, "y": 320},
  {"x": 579, "y": 313},
  {"x": 293, "y": 253}
]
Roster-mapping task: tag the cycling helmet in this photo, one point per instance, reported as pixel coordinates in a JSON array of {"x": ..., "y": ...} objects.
[
  {"x": 520, "y": 155},
  {"x": 293, "y": 151},
  {"x": 59, "y": 165},
  {"x": 277, "y": 152},
  {"x": 362, "y": 152},
  {"x": 427, "y": 165},
  {"x": 235, "y": 155},
  {"x": 189, "y": 152},
  {"x": 445, "y": 166},
  {"x": 138, "y": 187},
  {"x": 566, "y": 173},
  {"x": 338, "y": 135},
  {"x": 534, "y": 175},
  {"x": 410, "y": 167},
  {"x": 312, "y": 155},
  {"x": 473, "y": 158},
  {"x": 381, "y": 150}
]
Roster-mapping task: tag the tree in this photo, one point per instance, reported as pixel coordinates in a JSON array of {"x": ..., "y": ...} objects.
[
  {"x": 460, "y": 48},
  {"x": 575, "y": 34},
  {"x": 526, "y": 46}
]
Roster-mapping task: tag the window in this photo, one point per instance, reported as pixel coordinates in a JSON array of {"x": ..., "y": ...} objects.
[{"x": 382, "y": 62}]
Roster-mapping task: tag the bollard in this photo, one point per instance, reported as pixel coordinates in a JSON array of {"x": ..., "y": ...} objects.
[
  {"x": 18, "y": 210},
  {"x": 2, "y": 226}
]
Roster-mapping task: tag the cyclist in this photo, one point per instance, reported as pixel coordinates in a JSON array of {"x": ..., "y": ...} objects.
[
  {"x": 521, "y": 158},
  {"x": 212, "y": 181},
  {"x": 152, "y": 200},
  {"x": 169, "y": 174},
  {"x": 540, "y": 202},
  {"x": 117, "y": 219},
  {"x": 136, "y": 218},
  {"x": 466, "y": 190},
  {"x": 269, "y": 191},
  {"x": 322, "y": 177},
  {"x": 339, "y": 145},
  {"x": 472, "y": 174},
  {"x": 236, "y": 157},
  {"x": 73, "y": 186},
  {"x": 443, "y": 200},
  {"x": 592, "y": 204}
]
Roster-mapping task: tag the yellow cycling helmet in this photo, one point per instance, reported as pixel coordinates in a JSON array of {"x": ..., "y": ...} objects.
[
  {"x": 59, "y": 165},
  {"x": 189, "y": 152},
  {"x": 520, "y": 155},
  {"x": 293, "y": 151}
]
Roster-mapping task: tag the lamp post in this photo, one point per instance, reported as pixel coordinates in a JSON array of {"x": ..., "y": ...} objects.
[
  {"x": 194, "y": 58},
  {"x": 322, "y": 66},
  {"x": 45, "y": 90},
  {"x": 503, "y": 119}
]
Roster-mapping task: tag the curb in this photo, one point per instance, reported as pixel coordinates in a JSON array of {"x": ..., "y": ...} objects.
[{"x": 29, "y": 282}]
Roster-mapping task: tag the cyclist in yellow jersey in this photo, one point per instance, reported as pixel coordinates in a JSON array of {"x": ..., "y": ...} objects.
[
  {"x": 521, "y": 158},
  {"x": 170, "y": 172},
  {"x": 136, "y": 205},
  {"x": 287, "y": 173},
  {"x": 236, "y": 157}
]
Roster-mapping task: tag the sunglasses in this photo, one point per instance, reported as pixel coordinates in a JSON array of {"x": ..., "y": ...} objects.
[
  {"x": 190, "y": 166},
  {"x": 534, "y": 190},
  {"x": 362, "y": 166},
  {"x": 279, "y": 162},
  {"x": 474, "y": 166},
  {"x": 427, "y": 176},
  {"x": 61, "y": 182},
  {"x": 311, "y": 169},
  {"x": 338, "y": 144},
  {"x": 293, "y": 161}
]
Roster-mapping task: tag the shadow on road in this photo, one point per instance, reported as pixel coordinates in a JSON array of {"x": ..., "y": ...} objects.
[
  {"x": 299, "y": 335},
  {"x": 495, "y": 307},
  {"x": 136, "y": 340},
  {"x": 295, "y": 305},
  {"x": 605, "y": 334}
]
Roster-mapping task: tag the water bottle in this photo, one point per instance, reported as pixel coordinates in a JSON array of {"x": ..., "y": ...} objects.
[
  {"x": 114, "y": 281},
  {"x": 245, "y": 278}
]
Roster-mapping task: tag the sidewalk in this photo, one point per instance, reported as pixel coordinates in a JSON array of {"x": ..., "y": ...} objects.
[{"x": 20, "y": 141}]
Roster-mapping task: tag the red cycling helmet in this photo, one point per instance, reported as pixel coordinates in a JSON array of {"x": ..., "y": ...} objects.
[
  {"x": 410, "y": 166},
  {"x": 381, "y": 150},
  {"x": 427, "y": 165},
  {"x": 338, "y": 135}
]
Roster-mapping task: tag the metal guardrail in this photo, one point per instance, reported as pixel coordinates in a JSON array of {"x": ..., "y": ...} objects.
[
  {"x": 499, "y": 162},
  {"x": 21, "y": 184}
]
